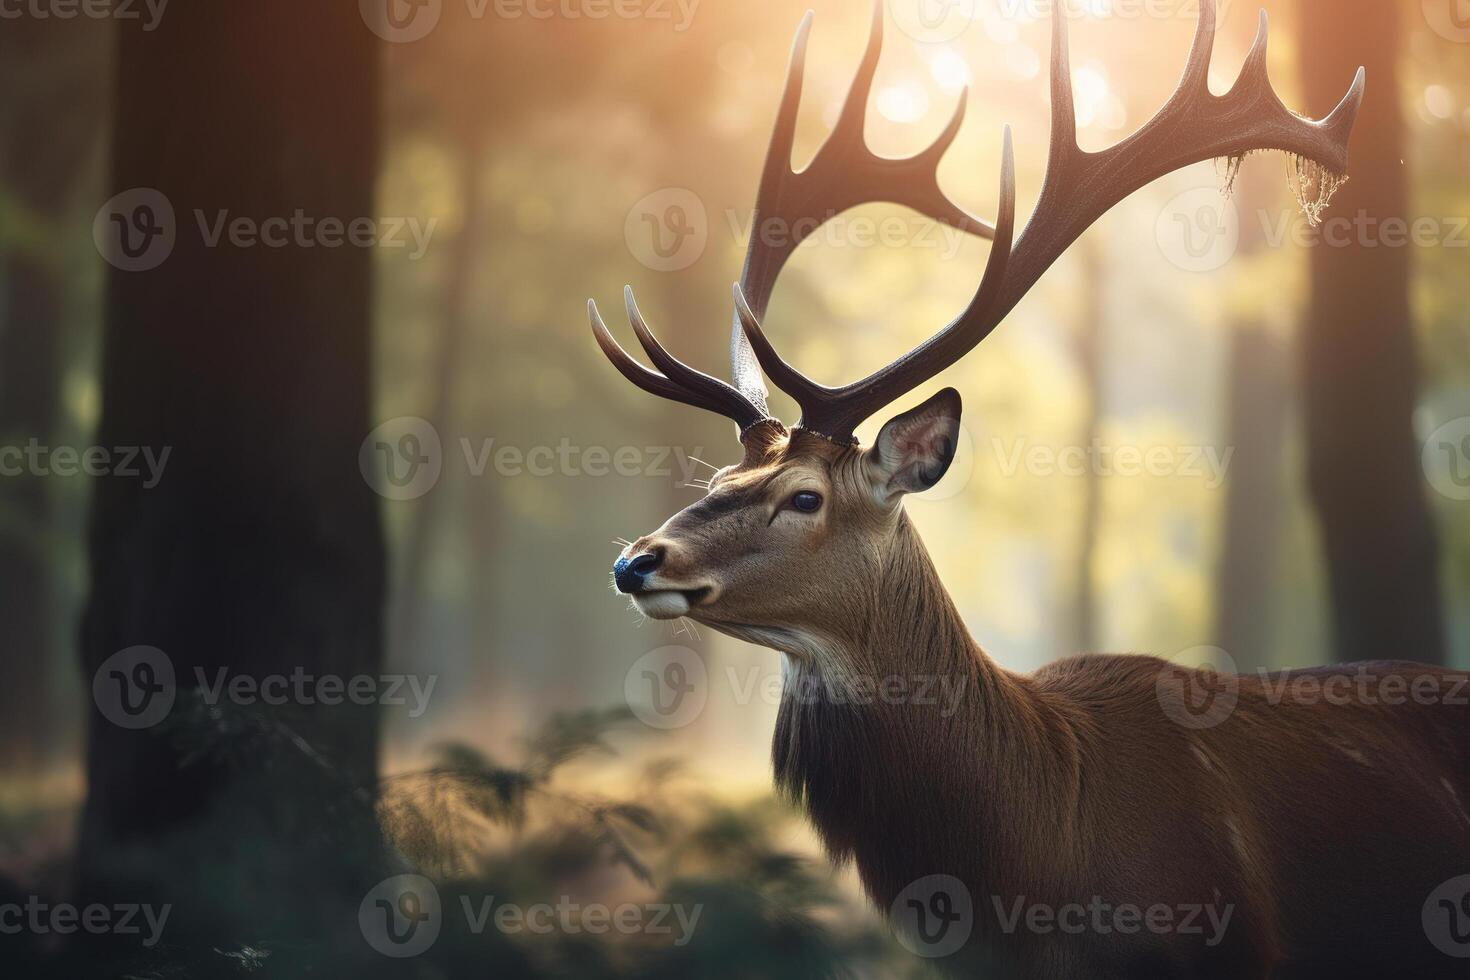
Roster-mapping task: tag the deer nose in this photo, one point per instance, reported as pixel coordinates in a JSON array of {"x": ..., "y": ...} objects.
[{"x": 629, "y": 573}]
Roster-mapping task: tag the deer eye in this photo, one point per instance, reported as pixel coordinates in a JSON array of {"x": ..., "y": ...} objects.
[{"x": 807, "y": 502}]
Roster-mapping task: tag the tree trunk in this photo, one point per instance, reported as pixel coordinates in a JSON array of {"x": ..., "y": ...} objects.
[
  {"x": 1089, "y": 357},
  {"x": 1359, "y": 361},
  {"x": 30, "y": 376},
  {"x": 420, "y": 538},
  {"x": 259, "y": 552}
]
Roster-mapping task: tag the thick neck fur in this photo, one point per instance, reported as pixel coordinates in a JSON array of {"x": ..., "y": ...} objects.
[{"x": 907, "y": 724}]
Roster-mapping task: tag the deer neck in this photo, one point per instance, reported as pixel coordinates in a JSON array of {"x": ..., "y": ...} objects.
[{"x": 886, "y": 733}]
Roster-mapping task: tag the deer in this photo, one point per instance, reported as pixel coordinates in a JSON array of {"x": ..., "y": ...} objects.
[{"x": 1316, "y": 836}]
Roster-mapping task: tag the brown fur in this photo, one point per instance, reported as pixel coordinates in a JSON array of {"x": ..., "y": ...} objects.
[{"x": 1324, "y": 827}]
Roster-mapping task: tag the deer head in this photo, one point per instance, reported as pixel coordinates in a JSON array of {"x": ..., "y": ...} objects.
[{"x": 800, "y": 540}]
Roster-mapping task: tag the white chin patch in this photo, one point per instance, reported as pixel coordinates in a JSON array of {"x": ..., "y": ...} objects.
[{"x": 662, "y": 605}]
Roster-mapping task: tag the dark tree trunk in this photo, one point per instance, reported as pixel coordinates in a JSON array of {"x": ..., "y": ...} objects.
[
  {"x": 1359, "y": 361},
  {"x": 260, "y": 551},
  {"x": 30, "y": 375}
]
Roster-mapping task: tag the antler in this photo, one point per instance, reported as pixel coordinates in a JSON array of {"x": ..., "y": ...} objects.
[{"x": 1079, "y": 188}]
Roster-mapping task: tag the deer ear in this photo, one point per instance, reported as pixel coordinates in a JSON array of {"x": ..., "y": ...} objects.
[{"x": 914, "y": 450}]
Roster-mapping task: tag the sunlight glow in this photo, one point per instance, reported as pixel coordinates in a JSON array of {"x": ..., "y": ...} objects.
[
  {"x": 1020, "y": 60},
  {"x": 1439, "y": 101},
  {"x": 949, "y": 70},
  {"x": 903, "y": 102},
  {"x": 1090, "y": 84}
]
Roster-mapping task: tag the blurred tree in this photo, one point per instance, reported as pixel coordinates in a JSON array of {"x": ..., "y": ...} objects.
[
  {"x": 1361, "y": 374},
  {"x": 260, "y": 551},
  {"x": 1257, "y": 391},
  {"x": 46, "y": 141},
  {"x": 1089, "y": 344}
]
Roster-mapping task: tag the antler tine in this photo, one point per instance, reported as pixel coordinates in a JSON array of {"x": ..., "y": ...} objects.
[
  {"x": 709, "y": 393},
  {"x": 733, "y": 404}
]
